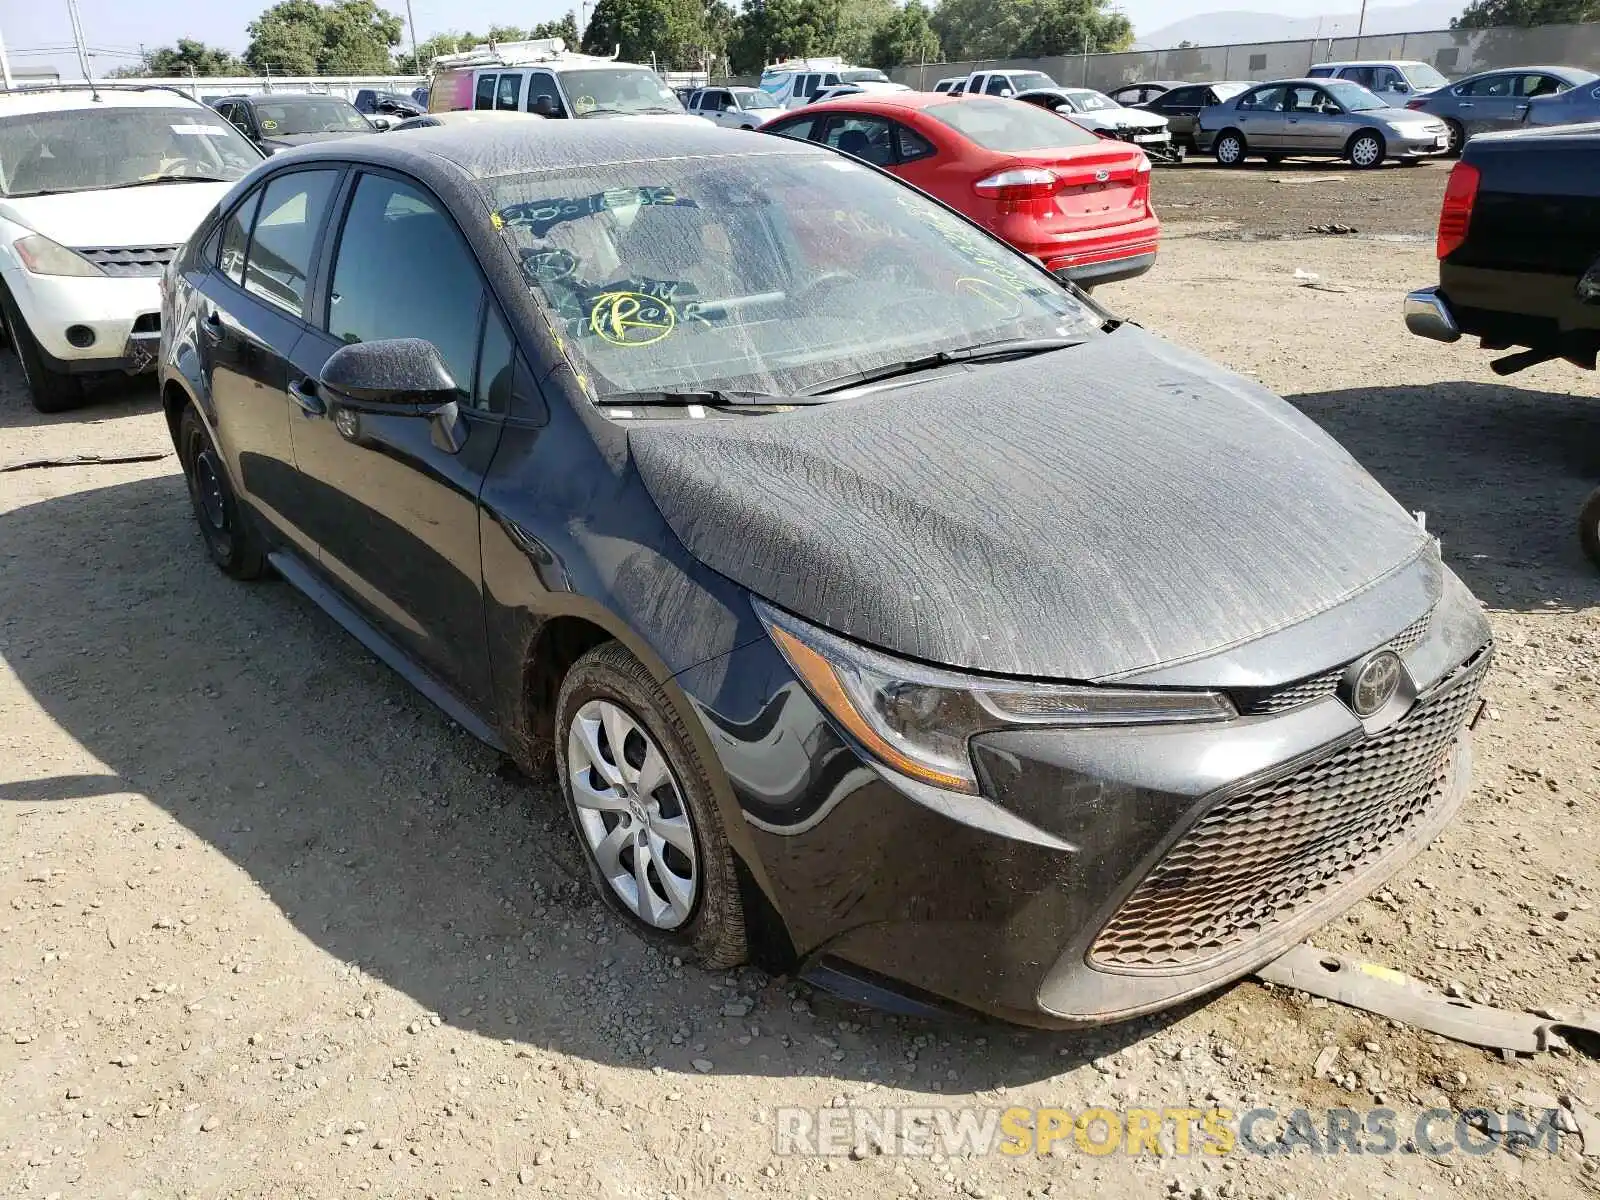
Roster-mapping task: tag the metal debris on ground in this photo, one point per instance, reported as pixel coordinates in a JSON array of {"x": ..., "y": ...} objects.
[
  {"x": 1308, "y": 179},
  {"x": 1393, "y": 994},
  {"x": 1333, "y": 227}
]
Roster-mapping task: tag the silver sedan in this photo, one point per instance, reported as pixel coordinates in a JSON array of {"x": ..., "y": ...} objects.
[
  {"x": 1317, "y": 118},
  {"x": 1494, "y": 100}
]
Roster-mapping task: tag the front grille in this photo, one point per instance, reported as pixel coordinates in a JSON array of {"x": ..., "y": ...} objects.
[
  {"x": 1256, "y": 860},
  {"x": 129, "y": 261},
  {"x": 1261, "y": 702}
]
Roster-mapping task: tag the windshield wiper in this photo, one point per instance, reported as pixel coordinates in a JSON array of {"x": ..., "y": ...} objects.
[
  {"x": 173, "y": 179},
  {"x": 710, "y": 398},
  {"x": 983, "y": 352}
]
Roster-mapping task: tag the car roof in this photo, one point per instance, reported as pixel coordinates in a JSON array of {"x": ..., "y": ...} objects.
[
  {"x": 1370, "y": 62},
  {"x": 263, "y": 97},
  {"x": 59, "y": 99},
  {"x": 495, "y": 149},
  {"x": 1553, "y": 70},
  {"x": 894, "y": 100}
]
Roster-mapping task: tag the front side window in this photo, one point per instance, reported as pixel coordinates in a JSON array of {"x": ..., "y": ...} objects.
[
  {"x": 751, "y": 99},
  {"x": 613, "y": 91},
  {"x": 310, "y": 114},
  {"x": 542, "y": 85},
  {"x": 89, "y": 149},
  {"x": 1009, "y": 127},
  {"x": 1423, "y": 76},
  {"x": 1028, "y": 81},
  {"x": 998, "y": 85},
  {"x": 285, "y": 237},
  {"x": 404, "y": 271},
  {"x": 1087, "y": 101},
  {"x": 754, "y": 271},
  {"x": 862, "y": 75}
]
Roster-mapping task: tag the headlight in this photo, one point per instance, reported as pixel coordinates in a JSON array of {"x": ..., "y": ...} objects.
[
  {"x": 44, "y": 257},
  {"x": 917, "y": 720}
]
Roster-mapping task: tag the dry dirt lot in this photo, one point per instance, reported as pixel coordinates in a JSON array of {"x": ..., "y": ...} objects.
[{"x": 272, "y": 926}]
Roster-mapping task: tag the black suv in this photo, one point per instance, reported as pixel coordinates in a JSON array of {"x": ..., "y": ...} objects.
[{"x": 277, "y": 121}]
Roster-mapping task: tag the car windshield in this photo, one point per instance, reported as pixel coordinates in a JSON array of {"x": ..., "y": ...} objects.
[
  {"x": 769, "y": 272},
  {"x": 1087, "y": 101},
  {"x": 754, "y": 98},
  {"x": 86, "y": 149},
  {"x": 1005, "y": 126},
  {"x": 607, "y": 91},
  {"x": 862, "y": 75},
  {"x": 1028, "y": 81},
  {"x": 1352, "y": 97},
  {"x": 313, "y": 114},
  {"x": 1422, "y": 75}
]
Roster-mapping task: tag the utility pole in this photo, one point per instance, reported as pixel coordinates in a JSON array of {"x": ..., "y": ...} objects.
[
  {"x": 416, "y": 63},
  {"x": 1361, "y": 24},
  {"x": 77, "y": 37},
  {"x": 5, "y": 64}
]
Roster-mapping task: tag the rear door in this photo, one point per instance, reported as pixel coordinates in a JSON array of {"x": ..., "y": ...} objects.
[
  {"x": 397, "y": 512},
  {"x": 252, "y": 315}
]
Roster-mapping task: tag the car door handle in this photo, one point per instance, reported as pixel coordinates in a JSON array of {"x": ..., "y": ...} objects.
[
  {"x": 211, "y": 325},
  {"x": 304, "y": 393},
  {"x": 1465, "y": 104}
]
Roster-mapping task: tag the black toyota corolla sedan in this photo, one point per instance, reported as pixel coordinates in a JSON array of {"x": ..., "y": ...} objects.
[{"x": 885, "y": 609}]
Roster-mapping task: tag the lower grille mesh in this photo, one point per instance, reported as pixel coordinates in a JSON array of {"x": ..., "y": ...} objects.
[{"x": 1257, "y": 859}]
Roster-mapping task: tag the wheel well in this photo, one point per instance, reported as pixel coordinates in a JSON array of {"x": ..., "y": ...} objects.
[
  {"x": 561, "y": 641},
  {"x": 1360, "y": 133},
  {"x": 173, "y": 401}
]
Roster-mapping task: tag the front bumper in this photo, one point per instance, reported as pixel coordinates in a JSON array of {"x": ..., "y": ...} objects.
[
  {"x": 1103, "y": 873},
  {"x": 1430, "y": 145},
  {"x": 123, "y": 314}
]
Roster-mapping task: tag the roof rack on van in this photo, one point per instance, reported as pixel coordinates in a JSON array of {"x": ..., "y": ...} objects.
[{"x": 536, "y": 50}]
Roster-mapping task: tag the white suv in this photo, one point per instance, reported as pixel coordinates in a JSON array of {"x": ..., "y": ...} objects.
[{"x": 98, "y": 188}]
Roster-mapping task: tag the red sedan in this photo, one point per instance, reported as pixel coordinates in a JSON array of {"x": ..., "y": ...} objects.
[{"x": 1077, "y": 202}]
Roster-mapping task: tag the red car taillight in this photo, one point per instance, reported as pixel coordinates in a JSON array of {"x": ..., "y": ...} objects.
[
  {"x": 1019, "y": 183},
  {"x": 1141, "y": 187},
  {"x": 1459, "y": 196}
]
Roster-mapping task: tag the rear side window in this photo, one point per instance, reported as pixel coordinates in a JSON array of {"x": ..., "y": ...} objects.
[
  {"x": 1320, "y": 72},
  {"x": 912, "y": 144},
  {"x": 508, "y": 92},
  {"x": 484, "y": 97},
  {"x": 236, "y": 238},
  {"x": 279, "y": 262},
  {"x": 403, "y": 270},
  {"x": 996, "y": 125}
]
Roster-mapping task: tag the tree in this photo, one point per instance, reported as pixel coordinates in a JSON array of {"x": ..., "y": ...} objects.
[
  {"x": 770, "y": 30},
  {"x": 566, "y": 29},
  {"x": 859, "y": 21},
  {"x": 187, "y": 58},
  {"x": 672, "y": 32},
  {"x": 1486, "y": 14},
  {"x": 302, "y": 37},
  {"x": 907, "y": 36},
  {"x": 975, "y": 29}
]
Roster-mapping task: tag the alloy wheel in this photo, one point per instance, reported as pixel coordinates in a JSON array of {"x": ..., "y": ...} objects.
[
  {"x": 1228, "y": 151},
  {"x": 632, "y": 814},
  {"x": 1365, "y": 152},
  {"x": 1458, "y": 138}
]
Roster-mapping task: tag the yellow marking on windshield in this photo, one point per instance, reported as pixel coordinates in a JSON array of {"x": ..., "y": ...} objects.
[{"x": 630, "y": 318}]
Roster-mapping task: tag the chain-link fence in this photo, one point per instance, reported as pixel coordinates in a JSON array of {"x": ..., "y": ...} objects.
[{"x": 1454, "y": 52}]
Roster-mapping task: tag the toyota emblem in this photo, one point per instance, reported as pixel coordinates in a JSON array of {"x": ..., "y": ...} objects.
[
  {"x": 1373, "y": 681},
  {"x": 1101, "y": 176}
]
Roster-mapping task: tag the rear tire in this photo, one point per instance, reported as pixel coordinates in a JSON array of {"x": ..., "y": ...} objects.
[
  {"x": 231, "y": 540},
  {"x": 1229, "y": 148},
  {"x": 51, "y": 391},
  {"x": 1367, "y": 150},
  {"x": 1589, "y": 527},
  {"x": 1458, "y": 137},
  {"x": 687, "y": 902}
]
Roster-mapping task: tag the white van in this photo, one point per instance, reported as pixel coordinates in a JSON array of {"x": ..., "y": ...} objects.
[
  {"x": 544, "y": 78},
  {"x": 1393, "y": 80},
  {"x": 799, "y": 81}
]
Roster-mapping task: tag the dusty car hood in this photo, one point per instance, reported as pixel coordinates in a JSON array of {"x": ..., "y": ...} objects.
[
  {"x": 162, "y": 214},
  {"x": 289, "y": 141},
  {"x": 1077, "y": 515},
  {"x": 1118, "y": 117}
]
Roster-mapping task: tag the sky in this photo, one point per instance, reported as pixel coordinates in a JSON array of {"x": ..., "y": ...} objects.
[{"x": 118, "y": 27}]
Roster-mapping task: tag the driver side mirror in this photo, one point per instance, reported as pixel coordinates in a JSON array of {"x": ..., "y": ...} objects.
[
  {"x": 396, "y": 377},
  {"x": 544, "y": 106},
  {"x": 379, "y": 123}
]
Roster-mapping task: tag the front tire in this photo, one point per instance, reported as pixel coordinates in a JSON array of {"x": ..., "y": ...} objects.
[
  {"x": 1367, "y": 150},
  {"x": 1229, "y": 148},
  {"x": 230, "y": 539},
  {"x": 51, "y": 391},
  {"x": 1589, "y": 527},
  {"x": 645, "y": 810},
  {"x": 1458, "y": 137}
]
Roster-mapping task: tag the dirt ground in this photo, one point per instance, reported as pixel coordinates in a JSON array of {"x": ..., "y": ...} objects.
[{"x": 273, "y": 926}]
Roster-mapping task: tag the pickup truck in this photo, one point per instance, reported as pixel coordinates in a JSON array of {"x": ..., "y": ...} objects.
[{"x": 1519, "y": 257}]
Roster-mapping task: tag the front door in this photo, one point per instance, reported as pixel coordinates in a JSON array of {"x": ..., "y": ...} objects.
[
  {"x": 1260, "y": 118},
  {"x": 398, "y": 510},
  {"x": 251, "y": 308}
]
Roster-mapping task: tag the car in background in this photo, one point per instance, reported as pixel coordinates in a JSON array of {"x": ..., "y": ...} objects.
[
  {"x": 1519, "y": 258},
  {"x": 874, "y": 604},
  {"x": 98, "y": 188},
  {"x": 1394, "y": 81},
  {"x": 467, "y": 117},
  {"x": 1100, "y": 114},
  {"x": 733, "y": 107},
  {"x": 952, "y": 85},
  {"x": 1318, "y": 118},
  {"x": 419, "y": 95},
  {"x": 868, "y": 88},
  {"x": 542, "y": 76},
  {"x": 371, "y": 102},
  {"x": 1077, "y": 202},
  {"x": 1495, "y": 100},
  {"x": 1182, "y": 105},
  {"x": 1576, "y": 105},
  {"x": 799, "y": 81},
  {"x": 1006, "y": 83},
  {"x": 1134, "y": 95},
  {"x": 278, "y": 121}
]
